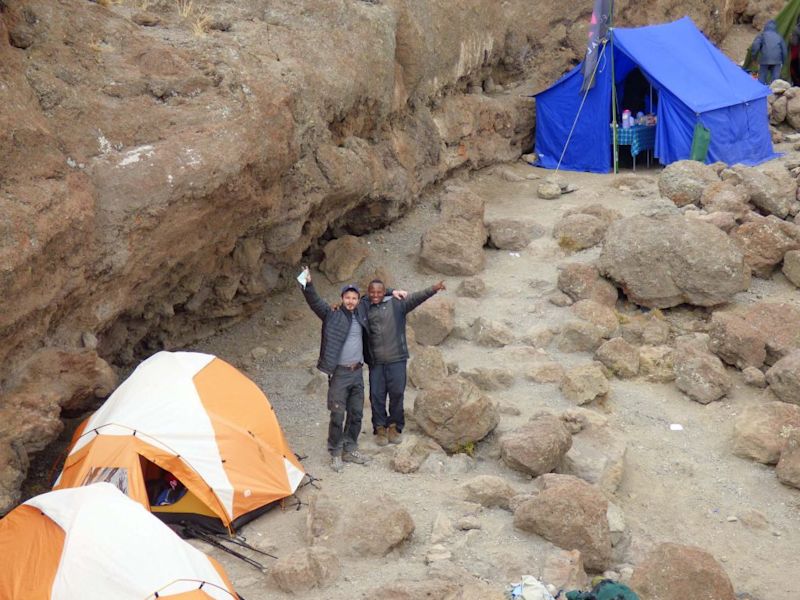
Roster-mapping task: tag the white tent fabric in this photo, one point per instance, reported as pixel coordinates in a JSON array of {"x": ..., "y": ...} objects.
[
  {"x": 162, "y": 385},
  {"x": 114, "y": 548}
]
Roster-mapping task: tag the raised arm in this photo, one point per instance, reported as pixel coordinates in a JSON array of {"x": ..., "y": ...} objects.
[
  {"x": 317, "y": 304},
  {"x": 417, "y": 298}
]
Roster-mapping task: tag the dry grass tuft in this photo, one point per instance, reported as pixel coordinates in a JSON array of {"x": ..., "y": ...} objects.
[
  {"x": 185, "y": 8},
  {"x": 201, "y": 25}
]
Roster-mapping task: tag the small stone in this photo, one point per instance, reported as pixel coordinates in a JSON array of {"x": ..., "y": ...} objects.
[
  {"x": 559, "y": 299},
  {"x": 549, "y": 190},
  {"x": 89, "y": 340},
  {"x": 755, "y": 377},
  {"x": 474, "y": 287},
  {"x": 468, "y": 523}
]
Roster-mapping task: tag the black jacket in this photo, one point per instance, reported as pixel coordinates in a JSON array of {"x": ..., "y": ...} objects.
[
  {"x": 335, "y": 327},
  {"x": 386, "y": 329}
]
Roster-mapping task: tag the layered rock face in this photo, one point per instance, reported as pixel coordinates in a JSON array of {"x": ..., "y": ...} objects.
[{"x": 160, "y": 173}]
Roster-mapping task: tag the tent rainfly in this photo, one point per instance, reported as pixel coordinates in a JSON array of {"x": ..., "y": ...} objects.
[
  {"x": 192, "y": 419},
  {"x": 695, "y": 82},
  {"x": 94, "y": 542}
]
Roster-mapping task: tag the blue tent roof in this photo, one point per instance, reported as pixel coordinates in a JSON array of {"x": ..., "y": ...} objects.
[
  {"x": 680, "y": 58},
  {"x": 695, "y": 82}
]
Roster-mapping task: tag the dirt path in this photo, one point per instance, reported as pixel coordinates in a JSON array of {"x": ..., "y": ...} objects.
[{"x": 682, "y": 486}]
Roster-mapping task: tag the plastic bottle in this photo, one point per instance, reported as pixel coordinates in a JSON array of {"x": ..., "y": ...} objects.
[{"x": 626, "y": 119}]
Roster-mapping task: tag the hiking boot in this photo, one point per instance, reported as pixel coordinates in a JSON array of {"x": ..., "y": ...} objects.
[
  {"x": 394, "y": 436},
  {"x": 356, "y": 457},
  {"x": 381, "y": 438},
  {"x": 336, "y": 463}
]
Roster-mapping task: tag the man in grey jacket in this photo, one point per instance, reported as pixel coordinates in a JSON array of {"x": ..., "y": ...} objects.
[
  {"x": 770, "y": 48},
  {"x": 388, "y": 354}
]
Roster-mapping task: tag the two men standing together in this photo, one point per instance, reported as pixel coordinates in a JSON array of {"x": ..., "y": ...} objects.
[{"x": 371, "y": 330}]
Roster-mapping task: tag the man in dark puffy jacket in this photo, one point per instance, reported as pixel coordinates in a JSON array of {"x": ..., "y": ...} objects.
[
  {"x": 770, "y": 48},
  {"x": 341, "y": 357},
  {"x": 388, "y": 354}
]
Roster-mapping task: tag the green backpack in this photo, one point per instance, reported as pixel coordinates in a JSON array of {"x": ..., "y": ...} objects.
[{"x": 605, "y": 590}]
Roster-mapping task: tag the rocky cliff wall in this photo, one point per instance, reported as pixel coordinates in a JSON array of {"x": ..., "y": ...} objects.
[{"x": 164, "y": 164}]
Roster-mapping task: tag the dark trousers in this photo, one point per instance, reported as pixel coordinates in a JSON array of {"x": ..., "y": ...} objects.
[
  {"x": 346, "y": 403},
  {"x": 388, "y": 379},
  {"x": 769, "y": 73}
]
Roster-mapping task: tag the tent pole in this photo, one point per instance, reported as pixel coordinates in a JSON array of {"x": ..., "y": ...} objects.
[{"x": 613, "y": 91}]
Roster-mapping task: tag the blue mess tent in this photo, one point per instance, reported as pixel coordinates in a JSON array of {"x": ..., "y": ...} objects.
[{"x": 694, "y": 82}]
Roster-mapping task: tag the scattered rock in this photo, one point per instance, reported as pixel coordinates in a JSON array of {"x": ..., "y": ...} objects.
[
  {"x": 579, "y": 336},
  {"x": 677, "y": 572},
  {"x": 771, "y": 192},
  {"x": 656, "y": 363},
  {"x": 736, "y": 341},
  {"x": 454, "y": 246},
  {"x": 579, "y": 231},
  {"x": 488, "y": 491},
  {"x": 760, "y": 430},
  {"x": 342, "y": 257},
  {"x": 725, "y": 221},
  {"x": 468, "y": 523},
  {"x": 616, "y": 523},
  {"x": 584, "y": 384},
  {"x": 545, "y": 372},
  {"x": 724, "y": 196},
  {"x": 788, "y": 467},
  {"x": 684, "y": 181},
  {"x": 490, "y": 379},
  {"x": 700, "y": 375},
  {"x": 409, "y": 456},
  {"x": 564, "y": 570},
  {"x": 648, "y": 329},
  {"x": 754, "y": 519},
  {"x": 600, "y": 315},
  {"x": 455, "y": 412},
  {"x": 306, "y": 569},
  {"x": 784, "y": 378},
  {"x": 13, "y": 468},
  {"x": 765, "y": 241},
  {"x": 433, "y": 321},
  {"x": 559, "y": 299},
  {"x": 597, "y": 456},
  {"x": 586, "y": 528},
  {"x": 583, "y": 282},
  {"x": 510, "y": 234},
  {"x": 492, "y": 333},
  {"x": 146, "y": 19},
  {"x": 548, "y": 190},
  {"x": 536, "y": 447},
  {"x": 436, "y": 553},
  {"x": 426, "y": 367},
  {"x": 667, "y": 261},
  {"x": 791, "y": 266},
  {"x": 620, "y": 357},
  {"x": 473, "y": 287},
  {"x": 442, "y": 529},
  {"x": 754, "y": 377},
  {"x": 374, "y": 526}
]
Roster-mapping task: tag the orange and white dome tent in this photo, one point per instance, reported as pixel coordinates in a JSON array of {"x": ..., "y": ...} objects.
[
  {"x": 195, "y": 418},
  {"x": 93, "y": 542}
]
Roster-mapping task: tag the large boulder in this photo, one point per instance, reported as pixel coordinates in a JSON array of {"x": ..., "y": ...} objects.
[
  {"x": 759, "y": 430},
  {"x": 571, "y": 514},
  {"x": 426, "y": 367},
  {"x": 784, "y": 378},
  {"x": 765, "y": 241},
  {"x": 488, "y": 491},
  {"x": 342, "y": 257},
  {"x": 454, "y": 245},
  {"x": 583, "y": 282},
  {"x": 772, "y": 192},
  {"x": 684, "y": 181},
  {"x": 678, "y": 572},
  {"x": 585, "y": 383},
  {"x": 663, "y": 262},
  {"x": 306, "y": 569},
  {"x": 536, "y": 447},
  {"x": 700, "y": 374},
  {"x": 433, "y": 321},
  {"x": 455, "y": 412}
]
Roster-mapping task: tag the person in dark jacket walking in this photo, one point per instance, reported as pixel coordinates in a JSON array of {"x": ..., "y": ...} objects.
[
  {"x": 388, "y": 353},
  {"x": 770, "y": 48}
]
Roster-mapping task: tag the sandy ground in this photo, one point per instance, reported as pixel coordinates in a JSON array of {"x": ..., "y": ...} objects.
[{"x": 681, "y": 486}]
